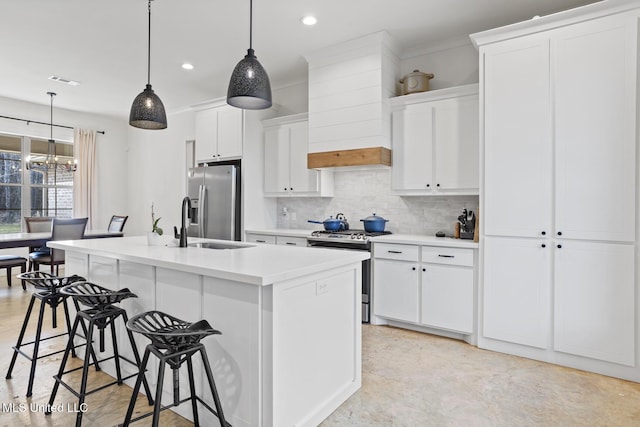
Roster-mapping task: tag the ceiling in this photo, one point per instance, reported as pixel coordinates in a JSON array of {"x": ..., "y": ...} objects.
[{"x": 103, "y": 44}]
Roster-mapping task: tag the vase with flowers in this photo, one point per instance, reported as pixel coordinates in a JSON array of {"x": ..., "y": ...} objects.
[{"x": 153, "y": 238}]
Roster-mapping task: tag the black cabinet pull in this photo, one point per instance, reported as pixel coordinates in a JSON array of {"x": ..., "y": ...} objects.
[
  {"x": 544, "y": 233},
  {"x": 559, "y": 233},
  {"x": 437, "y": 185},
  {"x": 446, "y": 256},
  {"x": 413, "y": 268},
  {"x": 261, "y": 241},
  {"x": 395, "y": 252},
  {"x": 291, "y": 188},
  {"x": 424, "y": 269},
  {"x": 291, "y": 243},
  {"x": 428, "y": 185},
  {"x": 543, "y": 245},
  {"x": 559, "y": 246}
]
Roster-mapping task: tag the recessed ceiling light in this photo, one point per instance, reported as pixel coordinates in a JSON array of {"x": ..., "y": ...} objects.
[
  {"x": 309, "y": 20},
  {"x": 187, "y": 66}
]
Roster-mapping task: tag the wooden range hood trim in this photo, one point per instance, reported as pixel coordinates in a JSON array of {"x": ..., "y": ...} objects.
[{"x": 355, "y": 157}]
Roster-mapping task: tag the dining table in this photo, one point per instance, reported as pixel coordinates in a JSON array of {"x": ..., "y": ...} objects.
[{"x": 20, "y": 240}]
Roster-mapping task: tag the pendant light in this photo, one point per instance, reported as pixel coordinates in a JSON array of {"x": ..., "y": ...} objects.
[
  {"x": 147, "y": 111},
  {"x": 249, "y": 87},
  {"x": 50, "y": 162}
]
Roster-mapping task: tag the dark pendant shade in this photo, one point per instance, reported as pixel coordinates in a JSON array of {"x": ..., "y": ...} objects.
[
  {"x": 249, "y": 87},
  {"x": 147, "y": 111}
]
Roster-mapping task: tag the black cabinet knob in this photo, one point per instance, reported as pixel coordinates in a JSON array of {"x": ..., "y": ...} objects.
[
  {"x": 428, "y": 185},
  {"x": 543, "y": 245},
  {"x": 424, "y": 269},
  {"x": 413, "y": 268},
  {"x": 559, "y": 233},
  {"x": 559, "y": 246},
  {"x": 437, "y": 185},
  {"x": 544, "y": 233}
]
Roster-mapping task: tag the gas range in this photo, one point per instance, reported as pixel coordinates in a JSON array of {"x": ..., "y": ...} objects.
[{"x": 345, "y": 237}]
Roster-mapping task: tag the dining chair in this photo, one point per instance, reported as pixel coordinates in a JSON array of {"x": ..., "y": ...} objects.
[
  {"x": 61, "y": 229},
  {"x": 117, "y": 223},
  {"x": 37, "y": 224}
]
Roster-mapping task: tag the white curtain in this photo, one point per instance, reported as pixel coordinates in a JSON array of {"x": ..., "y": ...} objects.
[{"x": 85, "y": 200}]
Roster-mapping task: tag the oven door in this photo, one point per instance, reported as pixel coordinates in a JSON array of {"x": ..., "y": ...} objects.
[{"x": 366, "y": 268}]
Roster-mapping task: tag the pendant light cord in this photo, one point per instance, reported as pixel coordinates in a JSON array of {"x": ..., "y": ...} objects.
[
  {"x": 251, "y": 24},
  {"x": 149, "y": 48},
  {"x": 51, "y": 94}
]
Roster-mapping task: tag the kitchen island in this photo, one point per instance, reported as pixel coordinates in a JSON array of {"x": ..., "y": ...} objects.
[{"x": 290, "y": 349}]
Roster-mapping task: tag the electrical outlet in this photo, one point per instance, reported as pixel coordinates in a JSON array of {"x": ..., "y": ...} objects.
[
  {"x": 293, "y": 216},
  {"x": 285, "y": 211}
]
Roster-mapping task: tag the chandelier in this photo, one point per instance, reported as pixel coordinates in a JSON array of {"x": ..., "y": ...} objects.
[{"x": 51, "y": 162}]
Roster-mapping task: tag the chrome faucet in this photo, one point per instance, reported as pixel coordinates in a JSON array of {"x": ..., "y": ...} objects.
[{"x": 186, "y": 202}]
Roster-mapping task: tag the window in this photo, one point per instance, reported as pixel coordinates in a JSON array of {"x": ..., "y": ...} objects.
[
  {"x": 10, "y": 184},
  {"x": 32, "y": 192},
  {"x": 51, "y": 191}
]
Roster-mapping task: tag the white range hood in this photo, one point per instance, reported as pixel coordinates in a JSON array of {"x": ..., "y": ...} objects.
[{"x": 349, "y": 114}]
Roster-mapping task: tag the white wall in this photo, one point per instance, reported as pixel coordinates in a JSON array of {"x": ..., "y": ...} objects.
[
  {"x": 157, "y": 173},
  {"x": 452, "y": 62}
]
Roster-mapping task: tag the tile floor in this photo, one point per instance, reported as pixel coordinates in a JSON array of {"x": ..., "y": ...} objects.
[{"x": 409, "y": 379}]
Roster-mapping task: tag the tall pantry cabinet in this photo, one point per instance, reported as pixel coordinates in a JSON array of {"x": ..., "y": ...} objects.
[{"x": 558, "y": 190}]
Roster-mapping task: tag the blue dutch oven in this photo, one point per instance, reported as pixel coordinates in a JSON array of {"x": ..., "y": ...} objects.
[{"x": 374, "y": 223}]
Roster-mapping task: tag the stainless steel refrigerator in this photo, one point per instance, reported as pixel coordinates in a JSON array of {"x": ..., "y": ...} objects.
[{"x": 214, "y": 191}]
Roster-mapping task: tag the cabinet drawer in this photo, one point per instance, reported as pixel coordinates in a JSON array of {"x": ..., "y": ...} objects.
[
  {"x": 393, "y": 251},
  {"x": 261, "y": 238},
  {"x": 291, "y": 241},
  {"x": 450, "y": 256}
]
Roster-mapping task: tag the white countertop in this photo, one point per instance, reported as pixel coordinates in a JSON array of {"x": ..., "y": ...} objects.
[
  {"x": 415, "y": 239},
  {"x": 409, "y": 239},
  {"x": 257, "y": 264}
]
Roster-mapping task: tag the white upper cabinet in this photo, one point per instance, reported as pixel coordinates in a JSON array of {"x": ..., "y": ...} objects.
[
  {"x": 435, "y": 142},
  {"x": 219, "y": 133},
  {"x": 517, "y": 142},
  {"x": 595, "y": 127},
  {"x": 285, "y": 167}
]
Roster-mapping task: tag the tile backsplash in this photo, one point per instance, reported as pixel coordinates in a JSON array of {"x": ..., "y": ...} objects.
[{"x": 360, "y": 193}]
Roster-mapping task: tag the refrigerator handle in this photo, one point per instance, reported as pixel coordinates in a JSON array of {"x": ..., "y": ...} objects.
[{"x": 203, "y": 203}]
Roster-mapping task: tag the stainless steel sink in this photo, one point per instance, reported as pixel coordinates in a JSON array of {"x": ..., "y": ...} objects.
[{"x": 216, "y": 245}]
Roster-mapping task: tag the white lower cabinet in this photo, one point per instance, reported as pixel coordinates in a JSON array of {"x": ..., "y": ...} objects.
[
  {"x": 517, "y": 290},
  {"x": 427, "y": 286},
  {"x": 447, "y": 297},
  {"x": 276, "y": 239},
  {"x": 396, "y": 292},
  {"x": 568, "y": 296},
  {"x": 261, "y": 238},
  {"x": 594, "y": 293}
]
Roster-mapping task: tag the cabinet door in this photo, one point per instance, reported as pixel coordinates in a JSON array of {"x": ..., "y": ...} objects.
[
  {"x": 291, "y": 241},
  {"x": 230, "y": 126},
  {"x": 516, "y": 291},
  {"x": 517, "y": 138},
  {"x": 206, "y": 135},
  {"x": 413, "y": 148},
  {"x": 302, "y": 179},
  {"x": 276, "y": 157},
  {"x": 456, "y": 148},
  {"x": 447, "y": 297},
  {"x": 395, "y": 290},
  {"x": 594, "y": 298},
  {"x": 594, "y": 66}
]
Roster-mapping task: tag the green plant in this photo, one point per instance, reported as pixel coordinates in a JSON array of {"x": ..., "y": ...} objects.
[{"x": 154, "y": 223}]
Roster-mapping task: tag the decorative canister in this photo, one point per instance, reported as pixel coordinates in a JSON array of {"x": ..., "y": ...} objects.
[{"x": 415, "y": 82}]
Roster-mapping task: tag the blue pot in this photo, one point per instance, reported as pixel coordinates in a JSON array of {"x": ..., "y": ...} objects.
[{"x": 374, "y": 223}]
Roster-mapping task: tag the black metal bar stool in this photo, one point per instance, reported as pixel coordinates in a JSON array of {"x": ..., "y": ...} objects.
[
  {"x": 174, "y": 342},
  {"x": 101, "y": 313},
  {"x": 48, "y": 289}
]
